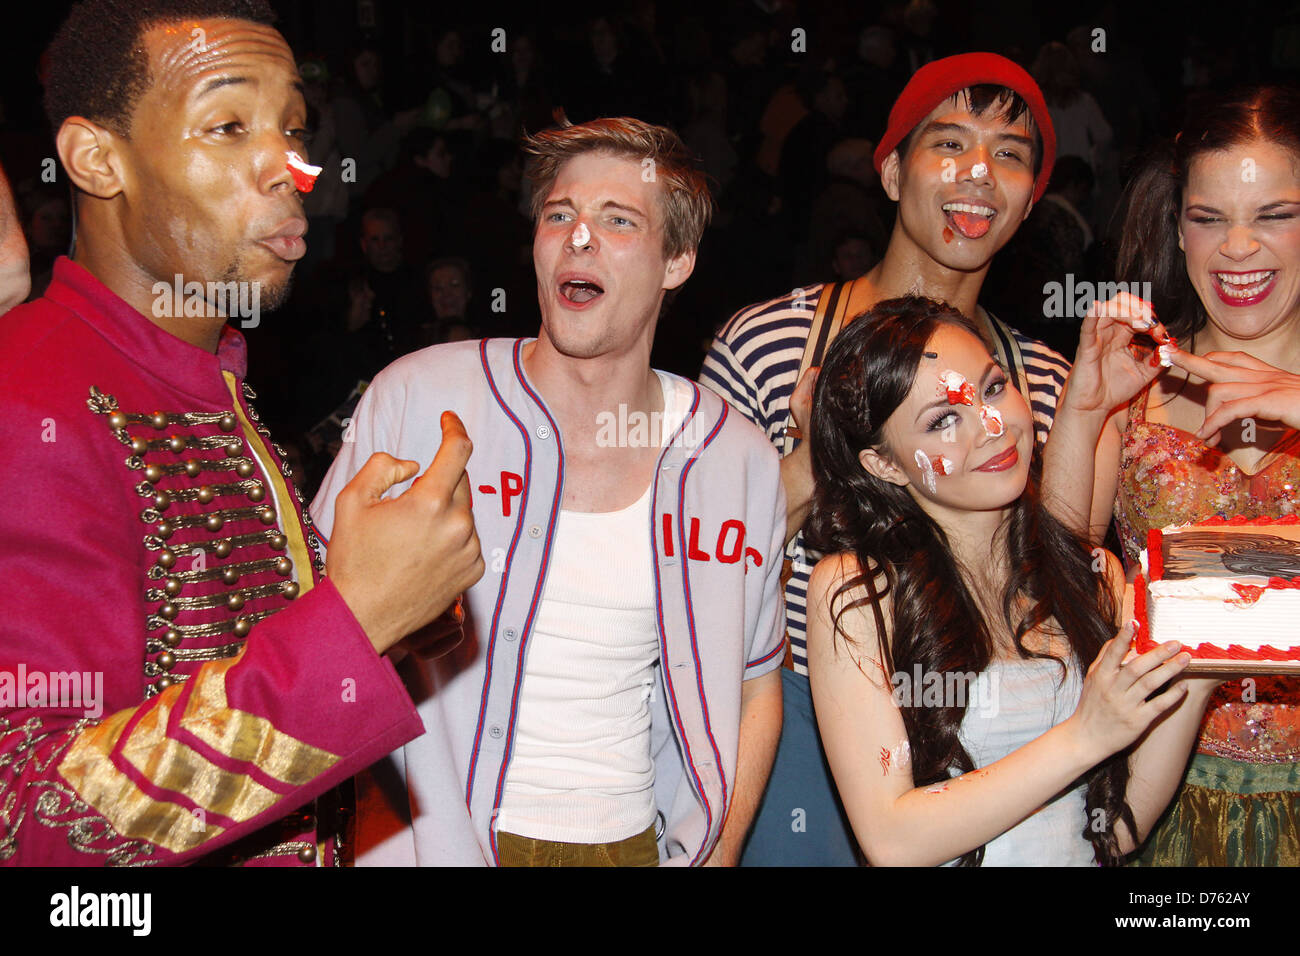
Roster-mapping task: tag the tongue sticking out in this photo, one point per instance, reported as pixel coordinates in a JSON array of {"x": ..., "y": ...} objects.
[{"x": 969, "y": 224}]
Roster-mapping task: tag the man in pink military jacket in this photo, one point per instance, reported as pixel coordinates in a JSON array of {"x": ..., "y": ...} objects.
[{"x": 177, "y": 678}]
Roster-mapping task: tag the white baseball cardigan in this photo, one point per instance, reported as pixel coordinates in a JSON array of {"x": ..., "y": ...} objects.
[{"x": 717, "y": 527}]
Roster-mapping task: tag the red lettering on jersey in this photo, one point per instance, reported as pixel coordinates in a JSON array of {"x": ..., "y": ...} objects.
[
  {"x": 511, "y": 486},
  {"x": 733, "y": 555},
  {"x": 693, "y": 545},
  {"x": 729, "y": 548}
]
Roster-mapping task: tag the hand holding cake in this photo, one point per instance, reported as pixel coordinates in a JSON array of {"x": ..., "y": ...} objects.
[{"x": 1113, "y": 710}]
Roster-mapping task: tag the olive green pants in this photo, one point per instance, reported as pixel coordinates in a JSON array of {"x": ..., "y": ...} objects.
[{"x": 639, "y": 850}]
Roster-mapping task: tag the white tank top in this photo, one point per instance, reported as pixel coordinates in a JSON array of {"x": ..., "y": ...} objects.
[
  {"x": 1021, "y": 700},
  {"x": 581, "y": 770}
]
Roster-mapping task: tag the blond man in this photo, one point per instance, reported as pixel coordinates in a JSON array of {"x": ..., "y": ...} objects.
[{"x": 616, "y": 700}]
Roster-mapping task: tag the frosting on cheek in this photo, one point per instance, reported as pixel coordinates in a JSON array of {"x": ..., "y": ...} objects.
[
  {"x": 927, "y": 469},
  {"x": 931, "y": 468},
  {"x": 991, "y": 419},
  {"x": 580, "y": 236}
]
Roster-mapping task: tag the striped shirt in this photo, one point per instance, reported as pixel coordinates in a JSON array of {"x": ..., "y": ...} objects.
[{"x": 754, "y": 364}]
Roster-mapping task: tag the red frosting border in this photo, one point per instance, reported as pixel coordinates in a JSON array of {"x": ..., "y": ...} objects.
[
  {"x": 1156, "y": 554},
  {"x": 1238, "y": 520},
  {"x": 1235, "y": 652}
]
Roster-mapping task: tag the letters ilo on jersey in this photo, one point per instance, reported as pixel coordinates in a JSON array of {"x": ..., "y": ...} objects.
[
  {"x": 727, "y": 544},
  {"x": 729, "y": 547}
]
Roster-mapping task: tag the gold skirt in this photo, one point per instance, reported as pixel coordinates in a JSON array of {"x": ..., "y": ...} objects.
[{"x": 1229, "y": 813}]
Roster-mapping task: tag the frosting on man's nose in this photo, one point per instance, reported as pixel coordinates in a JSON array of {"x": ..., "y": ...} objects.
[{"x": 304, "y": 174}]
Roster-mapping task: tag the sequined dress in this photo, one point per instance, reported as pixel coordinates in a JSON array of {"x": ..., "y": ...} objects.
[{"x": 1240, "y": 801}]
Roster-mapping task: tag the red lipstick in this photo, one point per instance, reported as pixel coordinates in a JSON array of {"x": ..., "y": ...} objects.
[{"x": 1008, "y": 459}]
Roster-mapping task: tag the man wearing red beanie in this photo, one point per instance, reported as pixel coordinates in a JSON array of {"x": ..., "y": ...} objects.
[{"x": 968, "y": 151}]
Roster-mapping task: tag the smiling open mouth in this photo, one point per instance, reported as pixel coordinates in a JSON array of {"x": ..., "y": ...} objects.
[
  {"x": 972, "y": 220},
  {"x": 1243, "y": 285},
  {"x": 579, "y": 291}
]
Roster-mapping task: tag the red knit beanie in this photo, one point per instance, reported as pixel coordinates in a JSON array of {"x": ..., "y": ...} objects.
[{"x": 935, "y": 82}]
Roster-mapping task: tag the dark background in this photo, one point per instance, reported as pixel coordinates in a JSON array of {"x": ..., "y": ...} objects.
[{"x": 725, "y": 75}]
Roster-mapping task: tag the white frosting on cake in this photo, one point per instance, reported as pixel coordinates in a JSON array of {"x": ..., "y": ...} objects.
[
  {"x": 1208, "y": 609},
  {"x": 1203, "y": 610}
]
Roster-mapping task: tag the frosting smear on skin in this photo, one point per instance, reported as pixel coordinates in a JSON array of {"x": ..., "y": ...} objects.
[
  {"x": 580, "y": 290},
  {"x": 900, "y": 758},
  {"x": 304, "y": 174},
  {"x": 958, "y": 390},
  {"x": 961, "y": 392},
  {"x": 930, "y": 468},
  {"x": 927, "y": 470},
  {"x": 991, "y": 419}
]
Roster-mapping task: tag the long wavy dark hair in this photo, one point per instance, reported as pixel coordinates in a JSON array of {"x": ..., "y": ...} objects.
[
  {"x": 935, "y": 620},
  {"x": 1153, "y": 200}
]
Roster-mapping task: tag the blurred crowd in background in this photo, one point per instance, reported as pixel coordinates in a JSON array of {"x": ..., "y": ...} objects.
[{"x": 419, "y": 225}]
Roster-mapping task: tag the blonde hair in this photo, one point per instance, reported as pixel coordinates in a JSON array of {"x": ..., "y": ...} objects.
[{"x": 684, "y": 197}]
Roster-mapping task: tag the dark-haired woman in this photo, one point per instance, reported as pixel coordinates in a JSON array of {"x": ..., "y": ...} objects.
[
  {"x": 952, "y": 628},
  {"x": 1213, "y": 223}
]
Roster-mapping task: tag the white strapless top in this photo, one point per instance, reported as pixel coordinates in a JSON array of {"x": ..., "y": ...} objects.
[{"x": 1021, "y": 700}]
